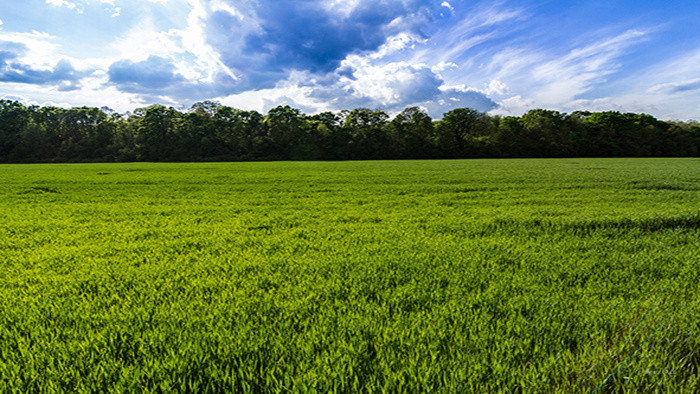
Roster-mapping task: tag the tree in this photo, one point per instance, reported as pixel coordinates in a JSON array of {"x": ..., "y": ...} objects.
[
  {"x": 366, "y": 131},
  {"x": 155, "y": 132},
  {"x": 410, "y": 134},
  {"x": 210, "y": 131},
  {"x": 545, "y": 133},
  {"x": 86, "y": 134},
  {"x": 508, "y": 141},
  {"x": 327, "y": 135},
  {"x": 205, "y": 108},
  {"x": 242, "y": 133},
  {"x": 284, "y": 126},
  {"x": 455, "y": 131},
  {"x": 13, "y": 117}
]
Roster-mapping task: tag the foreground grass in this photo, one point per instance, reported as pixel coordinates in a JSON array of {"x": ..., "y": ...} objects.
[{"x": 441, "y": 276}]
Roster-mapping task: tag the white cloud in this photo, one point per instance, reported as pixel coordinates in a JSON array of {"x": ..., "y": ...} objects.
[
  {"x": 442, "y": 66},
  {"x": 396, "y": 44},
  {"x": 393, "y": 83},
  {"x": 511, "y": 62},
  {"x": 193, "y": 57},
  {"x": 64, "y": 3},
  {"x": 61, "y": 3},
  {"x": 285, "y": 93},
  {"x": 221, "y": 5},
  {"x": 92, "y": 93},
  {"x": 562, "y": 80},
  {"x": 496, "y": 87},
  {"x": 448, "y": 6},
  {"x": 676, "y": 87},
  {"x": 342, "y": 7},
  {"x": 41, "y": 48},
  {"x": 679, "y": 71},
  {"x": 144, "y": 39},
  {"x": 538, "y": 78},
  {"x": 456, "y": 43},
  {"x": 367, "y": 80},
  {"x": 194, "y": 40},
  {"x": 514, "y": 106},
  {"x": 669, "y": 89}
]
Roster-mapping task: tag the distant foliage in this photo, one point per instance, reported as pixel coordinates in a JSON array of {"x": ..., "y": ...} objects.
[{"x": 209, "y": 131}]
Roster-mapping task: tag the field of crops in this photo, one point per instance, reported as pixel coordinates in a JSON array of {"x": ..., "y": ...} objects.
[{"x": 413, "y": 276}]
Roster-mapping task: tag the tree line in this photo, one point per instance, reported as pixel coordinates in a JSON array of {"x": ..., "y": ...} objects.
[{"x": 209, "y": 131}]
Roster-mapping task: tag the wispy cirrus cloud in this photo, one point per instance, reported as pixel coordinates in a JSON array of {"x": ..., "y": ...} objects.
[{"x": 553, "y": 79}]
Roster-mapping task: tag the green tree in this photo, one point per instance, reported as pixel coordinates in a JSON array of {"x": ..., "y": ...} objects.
[
  {"x": 327, "y": 135},
  {"x": 367, "y": 134},
  {"x": 13, "y": 117},
  {"x": 155, "y": 132},
  {"x": 509, "y": 138},
  {"x": 284, "y": 126},
  {"x": 456, "y": 131},
  {"x": 410, "y": 134},
  {"x": 545, "y": 133}
]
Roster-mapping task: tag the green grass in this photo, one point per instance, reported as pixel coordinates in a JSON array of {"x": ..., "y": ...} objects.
[{"x": 413, "y": 276}]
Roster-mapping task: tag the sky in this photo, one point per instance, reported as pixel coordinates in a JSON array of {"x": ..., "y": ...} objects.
[{"x": 502, "y": 57}]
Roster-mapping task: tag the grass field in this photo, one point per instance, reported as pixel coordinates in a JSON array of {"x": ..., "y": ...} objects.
[{"x": 413, "y": 276}]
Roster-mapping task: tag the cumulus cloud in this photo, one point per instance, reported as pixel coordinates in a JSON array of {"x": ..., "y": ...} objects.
[
  {"x": 451, "y": 98},
  {"x": 391, "y": 84},
  {"x": 13, "y": 70},
  {"x": 267, "y": 38},
  {"x": 174, "y": 66},
  {"x": 316, "y": 55},
  {"x": 153, "y": 73},
  {"x": 368, "y": 81},
  {"x": 157, "y": 78}
]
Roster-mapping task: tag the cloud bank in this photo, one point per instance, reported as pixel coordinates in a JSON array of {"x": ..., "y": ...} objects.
[{"x": 319, "y": 55}]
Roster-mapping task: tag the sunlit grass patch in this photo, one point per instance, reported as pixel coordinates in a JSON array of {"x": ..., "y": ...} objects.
[{"x": 412, "y": 276}]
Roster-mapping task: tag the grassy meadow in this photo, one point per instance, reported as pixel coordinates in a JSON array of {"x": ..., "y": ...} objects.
[{"x": 543, "y": 275}]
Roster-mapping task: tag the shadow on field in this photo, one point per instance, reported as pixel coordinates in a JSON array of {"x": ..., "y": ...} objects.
[
  {"x": 644, "y": 225},
  {"x": 645, "y": 185},
  {"x": 40, "y": 190}
]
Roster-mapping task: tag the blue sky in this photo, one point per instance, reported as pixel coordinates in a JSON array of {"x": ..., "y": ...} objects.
[{"x": 505, "y": 57}]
